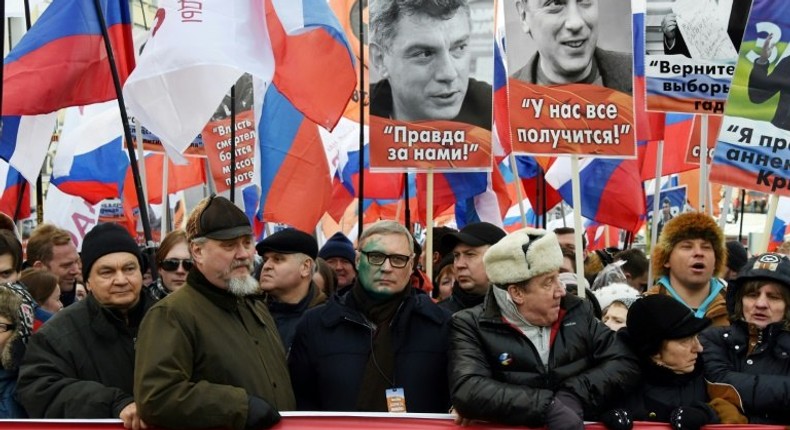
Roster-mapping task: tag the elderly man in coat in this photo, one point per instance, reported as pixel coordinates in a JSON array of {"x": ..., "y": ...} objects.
[
  {"x": 532, "y": 355},
  {"x": 209, "y": 353},
  {"x": 80, "y": 363}
]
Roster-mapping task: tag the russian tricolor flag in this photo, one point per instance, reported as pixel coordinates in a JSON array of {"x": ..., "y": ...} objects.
[
  {"x": 307, "y": 42},
  {"x": 293, "y": 165},
  {"x": 91, "y": 162},
  {"x": 502, "y": 144},
  {"x": 61, "y": 61},
  {"x": 449, "y": 188},
  {"x": 314, "y": 65},
  {"x": 15, "y": 200},
  {"x": 24, "y": 141},
  {"x": 611, "y": 189},
  {"x": 377, "y": 185},
  {"x": 677, "y": 133},
  {"x": 529, "y": 171},
  {"x": 649, "y": 125},
  {"x": 781, "y": 225}
]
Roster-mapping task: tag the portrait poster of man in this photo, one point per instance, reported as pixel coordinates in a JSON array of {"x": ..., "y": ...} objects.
[
  {"x": 431, "y": 69},
  {"x": 672, "y": 201},
  {"x": 752, "y": 149},
  {"x": 571, "y": 76},
  {"x": 691, "y": 50}
]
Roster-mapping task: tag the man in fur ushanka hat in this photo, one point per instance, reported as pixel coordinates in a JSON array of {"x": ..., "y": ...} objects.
[
  {"x": 499, "y": 351},
  {"x": 687, "y": 259}
]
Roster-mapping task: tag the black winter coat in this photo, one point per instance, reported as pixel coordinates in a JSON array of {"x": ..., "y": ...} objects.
[
  {"x": 662, "y": 391},
  {"x": 80, "y": 364},
  {"x": 333, "y": 342},
  {"x": 496, "y": 373},
  {"x": 761, "y": 378}
]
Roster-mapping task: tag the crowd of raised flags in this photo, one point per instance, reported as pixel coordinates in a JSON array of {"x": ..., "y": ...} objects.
[{"x": 303, "y": 169}]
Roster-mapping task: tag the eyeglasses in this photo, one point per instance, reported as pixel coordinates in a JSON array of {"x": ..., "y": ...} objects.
[
  {"x": 7, "y": 327},
  {"x": 397, "y": 261},
  {"x": 171, "y": 264}
]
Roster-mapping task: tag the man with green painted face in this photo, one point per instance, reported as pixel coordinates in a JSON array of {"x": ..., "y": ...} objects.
[{"x": 380, "y": 347}]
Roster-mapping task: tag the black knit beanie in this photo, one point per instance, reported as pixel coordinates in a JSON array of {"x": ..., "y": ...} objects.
[{"x": 106, "y": 239}]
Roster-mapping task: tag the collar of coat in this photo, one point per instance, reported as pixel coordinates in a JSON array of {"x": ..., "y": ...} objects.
[
  {"x": 107, "y": 322},
  {"x": 219, "y": 296},
  {"x": 339, "y": 309}
]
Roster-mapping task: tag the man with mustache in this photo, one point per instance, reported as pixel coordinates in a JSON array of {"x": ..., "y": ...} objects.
[
  {"x": 209, "y": 353},
  {"x": 566, "y": 36},
  {"x": 420, "y": 49},
  {"x": 690, "y": 253},
  {"x": 380, "y": 347}
]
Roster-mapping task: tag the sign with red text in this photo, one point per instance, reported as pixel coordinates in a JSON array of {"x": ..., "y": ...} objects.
[
  {"x": 694, "y": 147},
  {"x": 418, "y": 146},
  {"x": 571, "y": 119},
  {"x": 216, "y": 136}
]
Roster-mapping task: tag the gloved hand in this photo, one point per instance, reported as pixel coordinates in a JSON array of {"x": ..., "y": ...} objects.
[
  {"x": 260, "y": 414},
  {"x": 617, "y": 419},
  {"x": 692, "y": 417},
  {"x": 565, "y": 412},
  {"x": 727, "y": 412}
]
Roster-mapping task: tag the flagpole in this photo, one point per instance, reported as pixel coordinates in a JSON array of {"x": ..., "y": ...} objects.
[
  {"x": 765, "y": 238},
  {"x": 39, "y": 180},
  {"x": 138, "y": 186},
  {"x": 519, "y": 194},
  {"x": 656, "y": 195},
  {"x": 541, "y": 211},
  {"x": 429, "y": 224},
  {"x": 141, "y": 156},
  {"x": 703, "y": 165},
  {"x": 233, "y": 144},
  {"x": 407, "y": 208},
  {"x": 577, "y": 224},
  {"x": 743, "y": 206},
  {"x": 361, "y": 187},
  {"x": 725, "y": 209},
  {"x": 165, "y": 198}
]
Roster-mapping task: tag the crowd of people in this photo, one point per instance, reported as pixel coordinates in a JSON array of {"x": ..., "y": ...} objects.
[{"x": 233, "y": 332}]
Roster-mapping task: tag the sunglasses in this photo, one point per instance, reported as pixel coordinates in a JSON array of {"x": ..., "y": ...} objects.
[{"x": 171, "y": 264}]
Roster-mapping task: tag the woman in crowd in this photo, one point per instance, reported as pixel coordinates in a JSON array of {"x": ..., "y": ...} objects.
[
  {"x": 44, "y": 288},
  {"x": 615, "y": 299},
  {"x": 753, "y": 354},
  {"x": 663, "y": 333},
  {"x": 324, "y": 277},
  {"x": 173, "y": 262},
  {"x": 444, "y": 279},
  {"x": 9, "y": 353}
]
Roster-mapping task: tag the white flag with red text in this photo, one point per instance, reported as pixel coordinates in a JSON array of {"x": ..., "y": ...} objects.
[{"x": 197, "y": 50}]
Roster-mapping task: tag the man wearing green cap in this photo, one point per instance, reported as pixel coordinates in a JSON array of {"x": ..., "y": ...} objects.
[{"x": 209, "y": 353}]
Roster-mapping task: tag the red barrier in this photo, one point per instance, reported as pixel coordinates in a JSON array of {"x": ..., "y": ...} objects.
[{"x": 343, "y": 421}]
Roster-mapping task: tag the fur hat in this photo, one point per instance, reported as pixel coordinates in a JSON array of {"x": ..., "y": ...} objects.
[
  {"x": 522, "y": 255},
  {"x": 689, "y": 225},
  {"x": 616, "y": 292}
]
